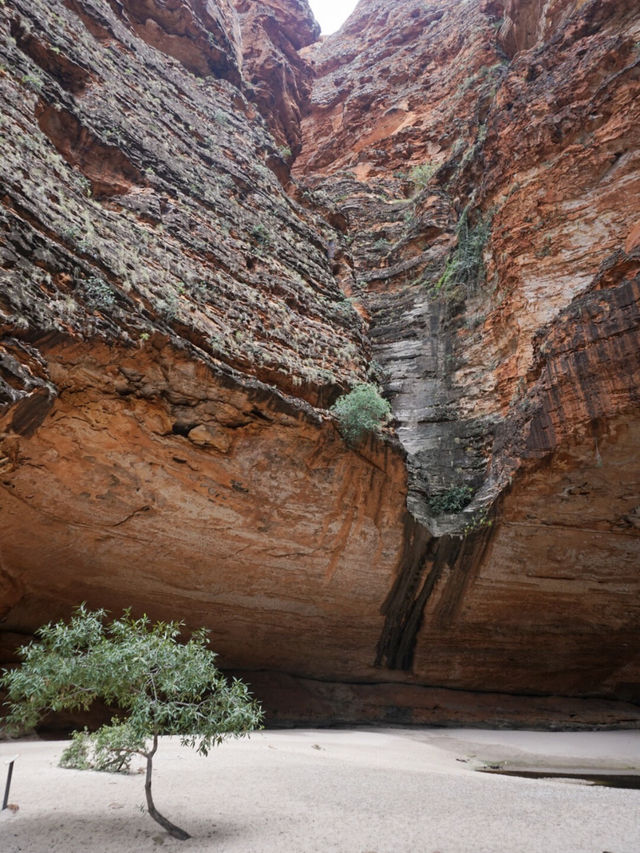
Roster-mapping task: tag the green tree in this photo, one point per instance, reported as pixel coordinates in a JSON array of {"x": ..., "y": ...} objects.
[
  {"x": 360, "y": 411},
  {"x": 159, "y": 685}
]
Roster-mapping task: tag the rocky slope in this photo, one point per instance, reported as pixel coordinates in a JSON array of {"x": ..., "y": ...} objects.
[{"x": 178, "y": 311}]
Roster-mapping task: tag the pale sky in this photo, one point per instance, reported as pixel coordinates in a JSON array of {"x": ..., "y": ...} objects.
[{"x": 331, "y": 14}]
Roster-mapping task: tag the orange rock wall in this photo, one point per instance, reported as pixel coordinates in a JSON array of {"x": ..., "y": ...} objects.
[{"x": 516, "y": 375}]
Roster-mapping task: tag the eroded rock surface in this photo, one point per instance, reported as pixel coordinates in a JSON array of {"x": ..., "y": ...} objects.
[
  {"x": 487, "y": 166},
  {"x": 178, "y": 311},
  {"x": 273, "y": 35}
]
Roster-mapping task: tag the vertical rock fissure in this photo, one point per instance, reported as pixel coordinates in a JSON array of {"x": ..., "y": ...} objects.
[
  {"x": 395, "y": 647},
  {"x": 422, "y": 565}
]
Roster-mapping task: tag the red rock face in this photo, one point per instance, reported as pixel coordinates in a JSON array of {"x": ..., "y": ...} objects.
[
  {"x": 273, "y": 33},
  {"x": 180, "y": 490},
  {"x": 487, "y": 166},
  {"x": 203, "y": 36},
  {"x": 461, "y": 226}
]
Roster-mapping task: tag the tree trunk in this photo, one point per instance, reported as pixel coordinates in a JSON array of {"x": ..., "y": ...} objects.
[{"x": 171, "y": 828}]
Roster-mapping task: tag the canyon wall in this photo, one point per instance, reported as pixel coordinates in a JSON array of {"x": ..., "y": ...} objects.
[{"x": 212, "y": 226}]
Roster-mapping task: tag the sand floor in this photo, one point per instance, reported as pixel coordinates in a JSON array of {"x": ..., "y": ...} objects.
[{"x": 356, "y": 791}]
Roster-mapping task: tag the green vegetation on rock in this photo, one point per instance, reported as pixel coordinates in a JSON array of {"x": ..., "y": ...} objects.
[
  {"x": 465, "y": 265},
  {"x": 98, "y": 293},
  {"x": 360, "y": 411},
  {"x": 453, "y": 500},
  {"x": 421, "y": 175}
]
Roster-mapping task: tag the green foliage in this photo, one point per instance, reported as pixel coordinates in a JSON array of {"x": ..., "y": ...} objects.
[
  {"x": 32, "y": 81},
  {"x": 76, "y": 755},
  {"x": 168, "y": 306},
  {"x": 260, "y": 235},
  {"x": 422, "y": 174},
  {"x": 98, "y": 293},
  {"x": 478, "y": 522},
  {"x": 360, "y": 411},
  {"x": 109, "y": 749},
  {"x": 85, "y": 185},
  {"x": 465, "y": 265},
  {"x": 453, "y": 500},
  {"x": 285, "y": 152},
  {"x": 159, "y": 684}
]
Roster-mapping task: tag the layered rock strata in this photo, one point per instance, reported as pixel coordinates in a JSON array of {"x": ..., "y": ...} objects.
[
  {"x": 178, "y": 312},
  {"x": 486, "y": 162},
  {"x": 172, "y": 334}
]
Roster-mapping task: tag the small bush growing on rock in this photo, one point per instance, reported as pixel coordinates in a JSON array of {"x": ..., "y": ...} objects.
[
  {"x": 260, "y": 235},
  {"x": 453, "y": 500},
  {"x": 360, "y": 411},
  {"x": 98, "y": 293},
  {"x": 465, "y": 265},
  {"x": 422, "y": 174}
]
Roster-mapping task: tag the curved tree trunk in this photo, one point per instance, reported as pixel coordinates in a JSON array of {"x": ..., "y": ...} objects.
[{"x": 171, "y": 828}]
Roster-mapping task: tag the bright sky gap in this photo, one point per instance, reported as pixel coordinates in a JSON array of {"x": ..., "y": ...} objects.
[{"x": 331, "y": 14}]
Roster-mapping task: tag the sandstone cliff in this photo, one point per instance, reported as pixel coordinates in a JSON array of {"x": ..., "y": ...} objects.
[{"x": 212, "y": 226}]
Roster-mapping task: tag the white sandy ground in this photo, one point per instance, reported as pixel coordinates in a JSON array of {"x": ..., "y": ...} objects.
[{"x": 353, "y": 791}]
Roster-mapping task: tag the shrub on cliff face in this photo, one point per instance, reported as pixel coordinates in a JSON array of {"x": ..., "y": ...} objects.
[
  {"x": 465, "y": 265},
  {"x": 422, "y": 174},
  {"x": 453, "y": 500},
  {"x": 160, "y": 685},
  {"x": 98, "y": 293},
  {"x": 360, "y": 411}
]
